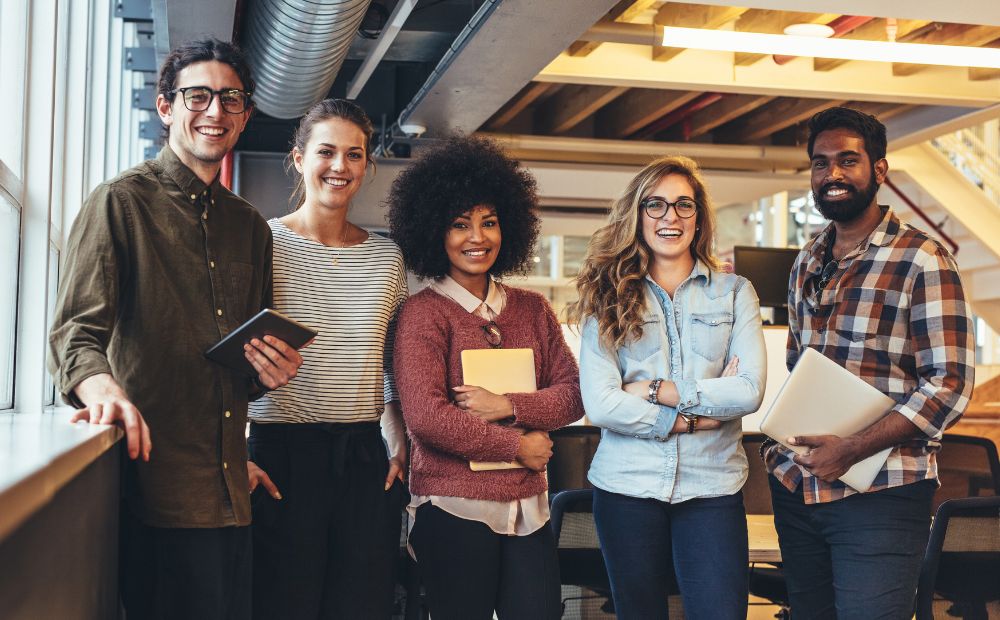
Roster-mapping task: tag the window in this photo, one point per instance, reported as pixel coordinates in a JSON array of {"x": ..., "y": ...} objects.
[
  {"x": 13, "y": 40},
  {"x": 10, "y": 224}
]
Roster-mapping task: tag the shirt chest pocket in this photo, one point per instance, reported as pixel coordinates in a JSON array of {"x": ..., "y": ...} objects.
[
  {"x": 641, "y": 349},
  {"x": 866, "y": 313},
  {"x": 239, "y": 291},
  {"x": 710, "y": 333}
]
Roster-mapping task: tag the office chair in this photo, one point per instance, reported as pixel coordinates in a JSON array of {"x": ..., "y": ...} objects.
[
  {"x": 962, "y": 564},
  {"x": 968, "y": 466},
  {"x": 767, "y": 582},
  {"x": 580, "y": 561},
  {"x": 573, "y": 449}
]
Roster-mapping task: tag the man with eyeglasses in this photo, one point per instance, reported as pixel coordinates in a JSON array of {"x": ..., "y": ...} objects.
[
  {"x": 162, "y": 262},
  {"x": 884, "y": 300}
]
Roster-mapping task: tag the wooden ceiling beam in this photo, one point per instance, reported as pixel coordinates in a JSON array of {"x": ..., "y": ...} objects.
[
  {"x": 572, "y": 105},
  {"x": 881, "y": 111},
  {"x": 637, "y": 108},
  {"x": 624, "y": 11},
  {"x": 773, "y": 117},
  {"x": 872, "y": 31},
  {"x": 769, "y": 21},
  {"x": 528, "y": 95},
  {"x": 691, "y": 16},
  {"x": 949, "y": 34},
  {"x": 724, "y": 111}
]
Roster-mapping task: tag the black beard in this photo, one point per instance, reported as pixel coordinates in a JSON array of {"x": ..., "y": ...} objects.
[{"x": 847, "y": 209}]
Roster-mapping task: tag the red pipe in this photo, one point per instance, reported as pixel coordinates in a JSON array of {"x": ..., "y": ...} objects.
[
  {"x": 226, "y": 173},
  {"x": 841, "y": 26},
  {"x": 677, "y": 115},
  {"x": 913, "y": 207}
]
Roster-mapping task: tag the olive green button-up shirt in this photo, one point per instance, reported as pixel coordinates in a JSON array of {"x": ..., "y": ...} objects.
[{"x": 159, "y": 267}]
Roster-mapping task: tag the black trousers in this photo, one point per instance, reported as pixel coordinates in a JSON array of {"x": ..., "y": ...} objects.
[
  {"x": 191, "y": 573},
  {"x": 329, "y": 547},
  {"x": 469, "y": 570}
]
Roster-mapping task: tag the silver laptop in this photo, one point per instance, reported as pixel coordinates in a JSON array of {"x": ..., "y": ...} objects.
[{"x": 821, "y": 397}]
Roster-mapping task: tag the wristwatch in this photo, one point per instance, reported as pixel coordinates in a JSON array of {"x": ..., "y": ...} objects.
[
  {"x": 692, "y": 421},
  {"x": 654, "y": 389}
]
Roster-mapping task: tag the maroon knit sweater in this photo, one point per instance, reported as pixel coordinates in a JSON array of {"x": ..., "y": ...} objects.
[{"x": 432, "y": 333}]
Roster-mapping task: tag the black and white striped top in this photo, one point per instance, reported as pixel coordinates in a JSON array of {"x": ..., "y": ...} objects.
[{"x": 346, "y": 374}]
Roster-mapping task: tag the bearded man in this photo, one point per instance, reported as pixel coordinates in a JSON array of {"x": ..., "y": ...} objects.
[{"x": 885, "y": 301}]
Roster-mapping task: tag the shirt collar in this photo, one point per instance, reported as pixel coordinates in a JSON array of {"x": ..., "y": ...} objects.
[
  {"x": 469, "y": 302},
  {"x": 882, "y": 235},
  {"x": 700, "y": 270},
  {"x": 184, "y": 177}
]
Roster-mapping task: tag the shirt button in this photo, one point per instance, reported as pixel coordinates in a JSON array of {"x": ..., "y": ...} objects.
[
  {"x": 218, "y": 311},
  {"x": 204, "y": 215},
  {"x": 225, "y": 465},
  {"x": 211, "y": 264},
  {"x": 194, "y": 196},
  {"x": 228, "y": 414}
]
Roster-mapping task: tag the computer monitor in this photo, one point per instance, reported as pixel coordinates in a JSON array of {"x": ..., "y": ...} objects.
[{"x": 767, "y": 269}]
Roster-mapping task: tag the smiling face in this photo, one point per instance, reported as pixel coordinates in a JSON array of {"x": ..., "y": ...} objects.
[
  {"x": 332, "y": 164},
  {"x": 670, "y": 237},
  {"x": 202, "y": 139},
  {"x": 844, "y": 180},
  {"x": 472, "y": 243}
]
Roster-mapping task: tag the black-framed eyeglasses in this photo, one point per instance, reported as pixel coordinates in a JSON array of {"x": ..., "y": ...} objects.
[
  {"x": 199, "y": 98},
  {"x": 656, "y": 207},
  {"x": 493, "y": 336}
]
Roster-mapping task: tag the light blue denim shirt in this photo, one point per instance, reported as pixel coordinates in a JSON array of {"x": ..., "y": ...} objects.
[{"x": 712, "y": 317}]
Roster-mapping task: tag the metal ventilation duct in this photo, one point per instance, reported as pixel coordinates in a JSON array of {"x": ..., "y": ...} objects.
[{"x": 296, "y": 48}]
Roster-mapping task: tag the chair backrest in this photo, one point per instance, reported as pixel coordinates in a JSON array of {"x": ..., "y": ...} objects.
[
  {"x": 580, "y": 559},
  {"x": 962, "y": 562},
  {"x": 573, "y": 449},
  {"x": 756, "y": 491},
  {"x": 967, "y": 467}
]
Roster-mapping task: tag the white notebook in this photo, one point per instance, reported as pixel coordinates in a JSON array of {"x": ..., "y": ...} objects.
[
  {"x": 501, "y": 371},
  {"x": 821, "y": 397}
]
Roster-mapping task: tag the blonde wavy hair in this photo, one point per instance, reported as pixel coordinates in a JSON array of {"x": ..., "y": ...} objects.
[{"x": 610, "y": 282}]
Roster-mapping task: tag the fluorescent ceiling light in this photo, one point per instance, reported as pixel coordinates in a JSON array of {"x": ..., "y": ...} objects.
[
  {"x": 846, "y": 49},
  {"x": 809, "y": 30}
]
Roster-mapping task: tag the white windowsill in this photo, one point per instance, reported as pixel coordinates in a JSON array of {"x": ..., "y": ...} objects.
[{"x": 39, "y": 454}]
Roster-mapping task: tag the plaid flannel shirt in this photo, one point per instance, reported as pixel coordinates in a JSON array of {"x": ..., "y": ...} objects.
[{"x": 895, "y": 315}]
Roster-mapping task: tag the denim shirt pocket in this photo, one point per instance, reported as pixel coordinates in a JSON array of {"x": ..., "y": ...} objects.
[
  {"x": 710, "y": 332},
  {"x": 645, "y": 346}
]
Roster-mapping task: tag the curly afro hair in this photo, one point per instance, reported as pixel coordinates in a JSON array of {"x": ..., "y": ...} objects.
[{"x": 448, "y": 180}]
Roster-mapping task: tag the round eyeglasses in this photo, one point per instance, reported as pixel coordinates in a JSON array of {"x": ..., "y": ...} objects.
[
  {"x": 199, "y": 98},
  {"x": 657, "y": 207}
]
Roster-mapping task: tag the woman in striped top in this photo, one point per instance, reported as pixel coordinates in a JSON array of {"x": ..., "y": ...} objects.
[
  {"x": 462, "y": 214},
  {"x": 327, "y": 498}
]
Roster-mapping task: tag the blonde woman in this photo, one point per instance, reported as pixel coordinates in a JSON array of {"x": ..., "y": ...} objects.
[{"x": 672, "y": 356}]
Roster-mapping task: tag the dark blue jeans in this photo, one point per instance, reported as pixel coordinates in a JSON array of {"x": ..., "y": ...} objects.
[
  {"x": 857, "y": 558},
  {"x": 646, "y": 542}
]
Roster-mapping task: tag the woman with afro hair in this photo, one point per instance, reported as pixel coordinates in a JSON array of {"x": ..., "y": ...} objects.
[{"x": 464, "y": 217}]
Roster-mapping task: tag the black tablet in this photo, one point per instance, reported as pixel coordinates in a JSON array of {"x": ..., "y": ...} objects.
[{"x": 267, "y": 322}]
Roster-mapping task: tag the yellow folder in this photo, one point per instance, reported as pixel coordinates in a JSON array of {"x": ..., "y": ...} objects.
[{"x": 501, "y": 371}]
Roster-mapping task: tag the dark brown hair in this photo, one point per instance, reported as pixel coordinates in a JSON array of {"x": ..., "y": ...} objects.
[
  {"x": 324, "y": 111},
  {"x": 202, "y": 51}
]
